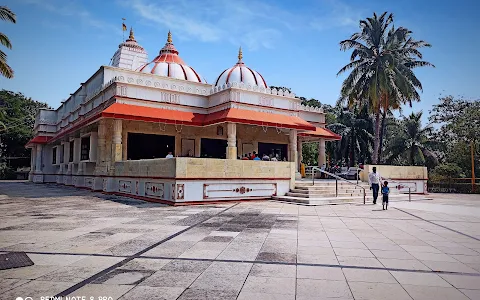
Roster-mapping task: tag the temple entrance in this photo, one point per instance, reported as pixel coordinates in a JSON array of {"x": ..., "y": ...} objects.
[
  {"x": 279, "y": 150},
  {"x": 213, "y": 148},
  {"x": 148, "y": 146}
]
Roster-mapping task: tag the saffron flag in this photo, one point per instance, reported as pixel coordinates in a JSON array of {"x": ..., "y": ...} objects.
[{"x": 124, "y": 27}]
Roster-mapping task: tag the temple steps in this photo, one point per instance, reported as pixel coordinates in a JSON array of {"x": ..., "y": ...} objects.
[{"x": 323, "y": 193}]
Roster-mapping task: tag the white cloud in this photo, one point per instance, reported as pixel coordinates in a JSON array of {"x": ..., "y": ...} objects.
[
  {"x": 339, "y": 14},
  {"x": 250, "y": 24},
  {"x": 72, "y": 9}
]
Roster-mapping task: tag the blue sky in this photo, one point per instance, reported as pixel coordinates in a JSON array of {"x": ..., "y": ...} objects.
[{"x": 59, "y": 44}]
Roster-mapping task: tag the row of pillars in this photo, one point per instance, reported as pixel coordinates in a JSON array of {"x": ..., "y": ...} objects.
[
  {"x": 98, "y": 147},
  {"x": 295, "y": 148}
]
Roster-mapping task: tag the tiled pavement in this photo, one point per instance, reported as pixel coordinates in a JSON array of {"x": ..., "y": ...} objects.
[{"x": 89, "y": 244}]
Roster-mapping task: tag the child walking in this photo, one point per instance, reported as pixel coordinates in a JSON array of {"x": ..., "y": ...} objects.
[{"x": 385, "y": 192}]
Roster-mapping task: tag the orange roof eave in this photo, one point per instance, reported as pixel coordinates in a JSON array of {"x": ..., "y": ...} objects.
[
  {"x": 234, "y": 115},
  {"x": 152, "y": 114},
  {"x": 41, "y": 139},
  {"x": 243, "y": 116},
  {"x": 323, "y": 133}
]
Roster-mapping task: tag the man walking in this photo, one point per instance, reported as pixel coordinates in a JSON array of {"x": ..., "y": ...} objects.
[{"x": 374, "y": 180}]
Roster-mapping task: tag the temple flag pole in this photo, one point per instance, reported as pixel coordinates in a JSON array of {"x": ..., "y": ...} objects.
[{"x": 124, "y": 28}]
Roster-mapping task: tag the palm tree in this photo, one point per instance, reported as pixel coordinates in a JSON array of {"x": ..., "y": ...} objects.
[
  {"x": 381, "y": 68},
  {"x": 356, "y": 129},
  {"x": 412, "y": 144},
  {"x": 7, "y": 15}
]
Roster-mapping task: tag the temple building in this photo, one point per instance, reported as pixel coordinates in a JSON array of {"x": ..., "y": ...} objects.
[{"x": 115, "y": 132}]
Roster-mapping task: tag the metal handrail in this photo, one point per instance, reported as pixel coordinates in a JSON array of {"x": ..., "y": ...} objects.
[
  {"x": 336, "y": 181},
  {"x": 404, "y": 185}
]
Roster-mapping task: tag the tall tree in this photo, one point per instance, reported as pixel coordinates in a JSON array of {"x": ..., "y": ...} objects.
[
  {"x": 6, "y": 15},
  {"x": 412, "y": 144},
  {"x": 460, "y": 121},
  {"x": 381, "y": 66}
]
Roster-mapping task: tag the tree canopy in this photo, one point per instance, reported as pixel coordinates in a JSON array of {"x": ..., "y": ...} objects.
[{"x": 17, "y": 117}]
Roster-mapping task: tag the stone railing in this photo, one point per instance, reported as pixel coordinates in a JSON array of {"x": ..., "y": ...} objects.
[
  {"x": 97, "y": 91},
  {"x": 186, "y": 167},
  {"x": 274, "y": 91},
  {"x": 310, "y": 109}
]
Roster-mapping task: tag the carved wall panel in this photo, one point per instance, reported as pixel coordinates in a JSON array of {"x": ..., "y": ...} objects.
[
  {"x": 125, "y": 186},
  {"x": 89, "y": 182},
  {"x": 155, "y": 189},
  {"x": 180, "y": 191},
  {"x": 239, "y": 190}
]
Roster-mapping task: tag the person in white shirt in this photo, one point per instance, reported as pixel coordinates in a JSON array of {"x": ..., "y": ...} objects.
[
  {"x": 374, "y": 180},
  {"x": 169, "y": 155}
]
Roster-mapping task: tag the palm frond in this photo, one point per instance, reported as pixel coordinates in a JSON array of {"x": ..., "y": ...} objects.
[
  {"x": 7, "y": 15},
  {"x": 5, "y": 69},
  {"x": 5, "y": 41}
]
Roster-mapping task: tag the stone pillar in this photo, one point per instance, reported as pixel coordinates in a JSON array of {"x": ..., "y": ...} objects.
[
  {"x": 198, "y": 146},
  {"x": 293, "y": 147},
  {"x": 33, "y": 159},
  {"x": 101, "y": 140},
  {"x": 32, "y": 162},
  {"x": 63, "y": 158},
  {"x": 57, "y": 155},
  {"x": 76, "y": 150},
  {"x": 299, "y": 153},
  {"x": 117, "y": 140},
  {"x": 92, "y": 155},
  {"x": 231, "y": 141},
  {"x": 60, "y": 162},
  {"x": 101, "y": 157},
  {"x": 178, "y": 146},
  {"x": 321, "y": 153},
  {"x": 38, "y": 159}
]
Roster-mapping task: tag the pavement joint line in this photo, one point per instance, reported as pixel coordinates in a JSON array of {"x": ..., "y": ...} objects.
[
  {"x": 133, "y": 256},
  {"x": 445, "y": 227},
  {"x": 310, "y": 265},
  {"x": 258, "y": 262}
]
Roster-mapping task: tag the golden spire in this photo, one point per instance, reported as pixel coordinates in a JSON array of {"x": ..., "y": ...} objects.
[
  {"x": 131, "y": 36},
  {"x": 240, "y": 54},
  {"x": 169, "y": 38}
]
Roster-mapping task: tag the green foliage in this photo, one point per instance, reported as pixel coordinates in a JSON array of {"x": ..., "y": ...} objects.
[
  {"x": 446, "y": 171},
  {"x": 356, "y": 130},
  {"x": 281, "y": 88},
  {"x": 310, "y": 154},
  {"x": 460, "y": 119},
  {"x": 17, "y": 116},
  {"x": 6, "y": 172},
  {"x": 6, "y": 15},
  {"x": 459, "y": 131},
  {"x": 412, "y": 143}
]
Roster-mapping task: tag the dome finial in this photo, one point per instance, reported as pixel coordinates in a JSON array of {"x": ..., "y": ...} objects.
[
  {"x": 169, "y": 38},
  {"x": 240, "y": 54},
  {"x": 131, "y": 36}
]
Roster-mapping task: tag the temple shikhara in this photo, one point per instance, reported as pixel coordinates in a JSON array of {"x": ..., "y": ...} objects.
[{"x": 115, "y": 132}]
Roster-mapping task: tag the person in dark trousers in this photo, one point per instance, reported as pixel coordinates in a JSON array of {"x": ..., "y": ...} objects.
[
  {"x": 385, "y": 192},
  {"x": 374, "y": 182}
]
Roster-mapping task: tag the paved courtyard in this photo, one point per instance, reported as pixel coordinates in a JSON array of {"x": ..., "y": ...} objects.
[{"x": 94, "y": 245}]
